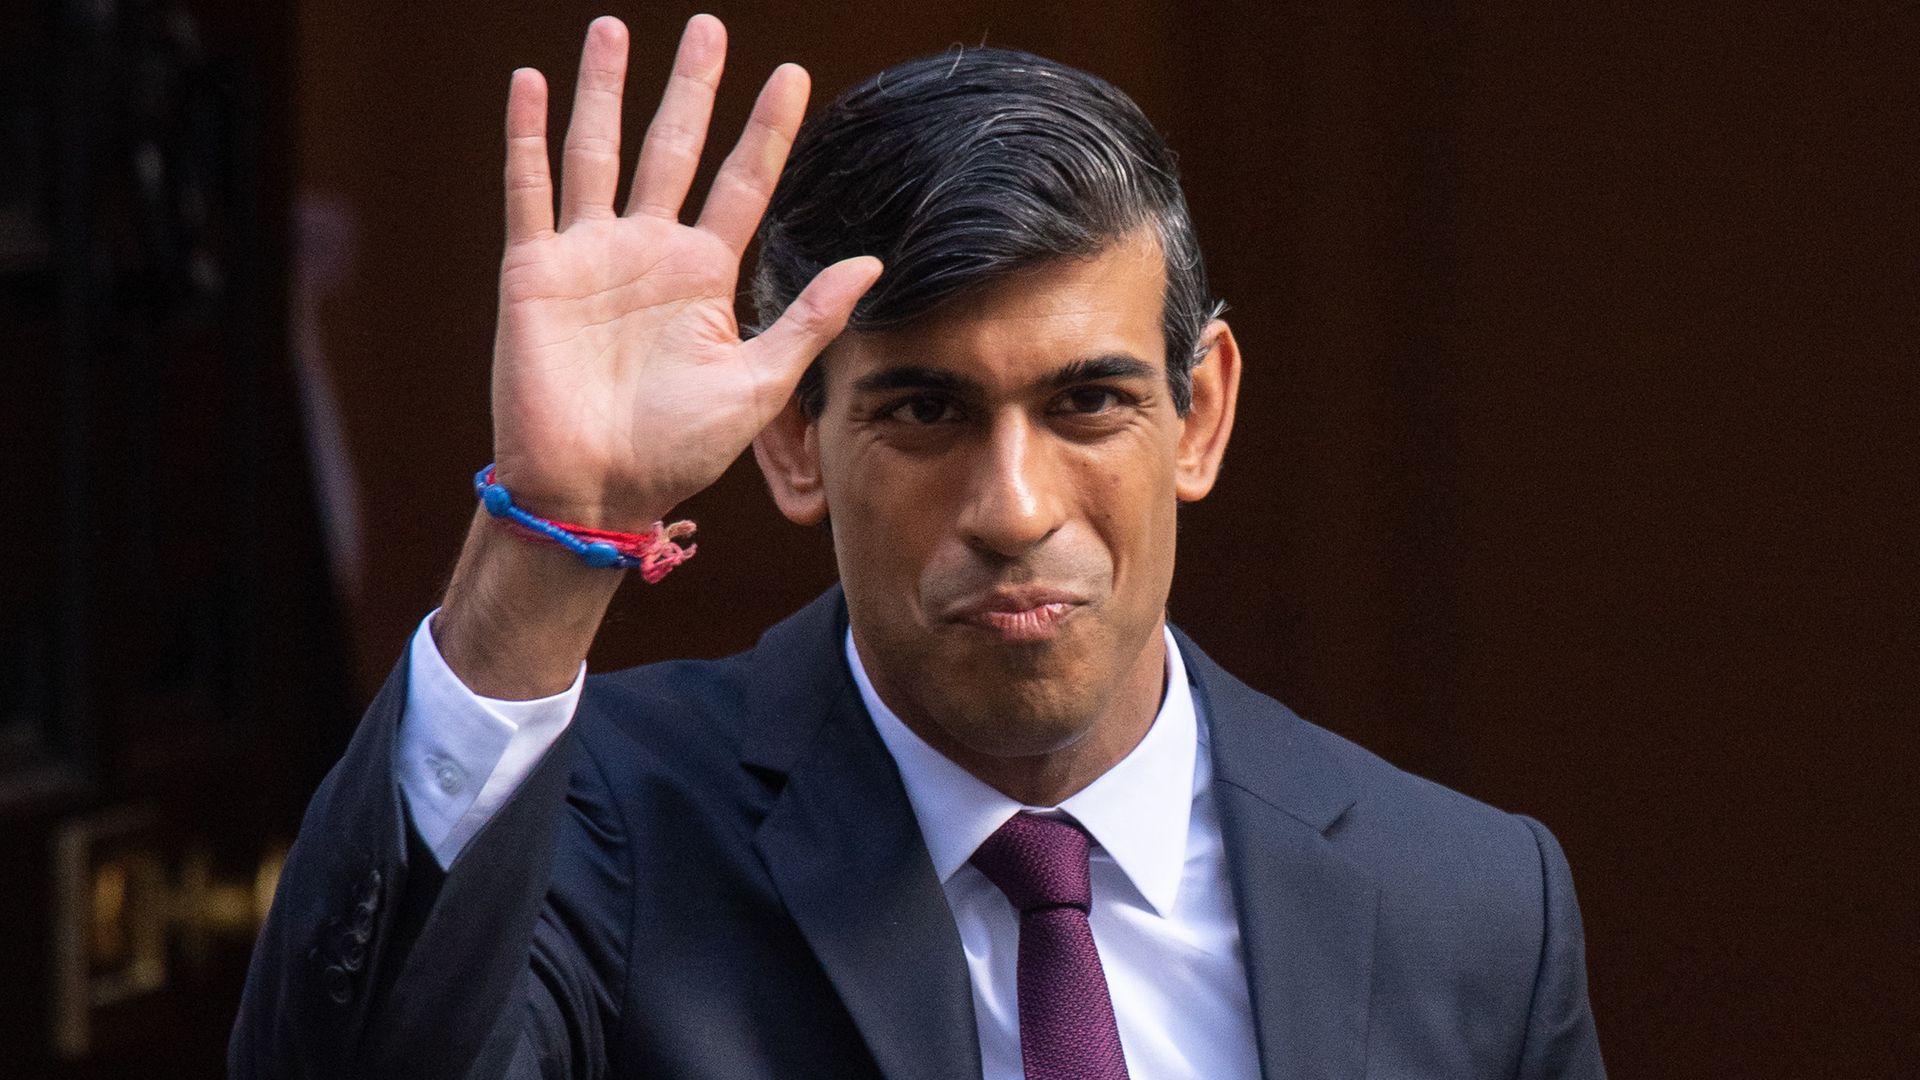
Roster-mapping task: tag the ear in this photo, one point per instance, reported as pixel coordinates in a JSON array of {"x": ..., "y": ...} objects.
[
  {"x": 788, "y": 450},
  {"x": 1205, "y": 428}
]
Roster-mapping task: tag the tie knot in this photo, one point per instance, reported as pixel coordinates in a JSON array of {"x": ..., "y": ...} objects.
[{"x": 1038, "y": 862}]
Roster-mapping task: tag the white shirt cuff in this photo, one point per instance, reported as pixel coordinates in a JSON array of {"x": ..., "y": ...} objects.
[{"x": 459, "y": 756}]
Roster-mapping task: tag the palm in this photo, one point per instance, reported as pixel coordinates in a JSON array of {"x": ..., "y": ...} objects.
[
  {"x": 621, "y": 385},
  {"x": 617, "y": 337}
]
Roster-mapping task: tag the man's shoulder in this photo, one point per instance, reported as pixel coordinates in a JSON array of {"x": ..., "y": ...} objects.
[
  {"x": 1417, "y": 831},
  {"x": 1398, "y": 826},
  {"x": 1387, "y": 794}
]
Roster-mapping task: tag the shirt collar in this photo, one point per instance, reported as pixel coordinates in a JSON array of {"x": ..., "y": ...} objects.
[{"x": 1137, "y": 810}]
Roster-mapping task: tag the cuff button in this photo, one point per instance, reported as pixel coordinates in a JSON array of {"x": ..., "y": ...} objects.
[{"x": 339, "y": 987}]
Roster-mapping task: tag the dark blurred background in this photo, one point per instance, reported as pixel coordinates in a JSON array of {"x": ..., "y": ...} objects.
[{"x": 1574, "y": 469}]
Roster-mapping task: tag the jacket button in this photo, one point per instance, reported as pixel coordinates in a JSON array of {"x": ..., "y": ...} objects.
[
  {"x": 352, "y": 955},
  {"x": 367, "y": 897},
  {"x": 339, "y": 987}
]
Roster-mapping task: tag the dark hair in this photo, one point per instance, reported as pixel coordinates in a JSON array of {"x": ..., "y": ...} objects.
[{"x": 958, "y": 169}]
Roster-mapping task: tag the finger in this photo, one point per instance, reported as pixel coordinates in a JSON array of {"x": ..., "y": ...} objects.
[
  {"x": 590, "y": 172},
  {"x": 813, "y": 320},
  {"x": 745, "y": 181},
  {"x": 671, "y": 153},
  {"x": 529, "y": 185}
]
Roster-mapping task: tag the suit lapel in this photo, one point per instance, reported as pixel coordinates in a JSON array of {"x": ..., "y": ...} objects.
[
  {"x": 1307, "y": 914},
  {"x": 847, "y": 857}
]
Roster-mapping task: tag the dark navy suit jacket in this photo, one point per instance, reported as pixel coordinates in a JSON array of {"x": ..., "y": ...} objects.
[{"x": 716, "y": 874}]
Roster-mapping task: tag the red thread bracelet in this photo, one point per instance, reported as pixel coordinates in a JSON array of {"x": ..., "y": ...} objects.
[{"x": 654, "y": 553}]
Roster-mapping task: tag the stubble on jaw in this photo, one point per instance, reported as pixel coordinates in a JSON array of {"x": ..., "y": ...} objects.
[{"x": 1037, "y": 740}]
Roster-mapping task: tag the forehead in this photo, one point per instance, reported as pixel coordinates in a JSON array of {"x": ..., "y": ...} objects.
[{"x": 1027, "y": 323}]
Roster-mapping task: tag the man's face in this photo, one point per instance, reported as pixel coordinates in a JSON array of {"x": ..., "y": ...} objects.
[{"x": 1002, "y": 479}]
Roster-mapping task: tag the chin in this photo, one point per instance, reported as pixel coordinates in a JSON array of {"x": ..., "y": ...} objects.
[{"x": 1020, "y": 715}]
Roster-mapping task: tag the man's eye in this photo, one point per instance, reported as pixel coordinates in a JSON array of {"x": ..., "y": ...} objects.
[
  {"x": 1090, "y": 399},
  {"x": 924, "y": 410}
]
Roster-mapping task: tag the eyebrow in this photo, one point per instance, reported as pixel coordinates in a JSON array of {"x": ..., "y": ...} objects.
[
  {"x": 921, "y": 377},
  {"x": 1096, "y": 368},
  {"x": 911, "y": 377}
]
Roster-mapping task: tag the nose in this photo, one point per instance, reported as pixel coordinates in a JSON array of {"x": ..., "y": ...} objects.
[{"x": 1014, "y": 496}]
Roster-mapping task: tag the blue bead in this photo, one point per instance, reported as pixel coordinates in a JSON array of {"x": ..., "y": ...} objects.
[
  {"x": 600, "y": 555},
  {"x": 497, "y": 500}
]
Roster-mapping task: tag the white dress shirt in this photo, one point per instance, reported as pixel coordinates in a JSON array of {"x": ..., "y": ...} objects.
[{"x": 1162, "y": 915}]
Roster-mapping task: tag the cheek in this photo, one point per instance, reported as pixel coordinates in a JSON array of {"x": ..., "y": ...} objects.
[
  {"x": 885, "y": 520},
  {"x": 1132, "y": 506}
]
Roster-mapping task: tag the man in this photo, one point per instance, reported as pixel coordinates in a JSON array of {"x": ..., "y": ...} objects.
[{"x": 977, "y": 811}]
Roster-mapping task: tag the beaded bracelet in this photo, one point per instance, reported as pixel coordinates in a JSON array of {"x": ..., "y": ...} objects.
[{"x": 654, "y": 553}]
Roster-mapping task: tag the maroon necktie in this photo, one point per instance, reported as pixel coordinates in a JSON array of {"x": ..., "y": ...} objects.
[{"x": 1067, "y": 1030}]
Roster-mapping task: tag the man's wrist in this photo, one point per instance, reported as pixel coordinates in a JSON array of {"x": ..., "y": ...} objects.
[
  {"x": 592, "y": 506},
  {"x": 654, "y": 551},
  {"x": 519, "y": 617}
]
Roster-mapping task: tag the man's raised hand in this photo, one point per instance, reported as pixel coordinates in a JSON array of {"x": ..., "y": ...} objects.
[{"x": 620, "y": 384}]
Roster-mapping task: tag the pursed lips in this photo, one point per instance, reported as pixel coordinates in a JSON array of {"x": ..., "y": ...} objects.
[{"x": 1019, "y": 615}]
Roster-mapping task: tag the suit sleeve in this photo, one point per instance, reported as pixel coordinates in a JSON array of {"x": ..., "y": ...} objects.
[
  {"x": 1561, "y": 1043},
  {"x": 375, "y": 962}
]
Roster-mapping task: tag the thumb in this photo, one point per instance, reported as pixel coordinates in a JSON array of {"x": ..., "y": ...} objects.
[{"x": 814, "y": 318}]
